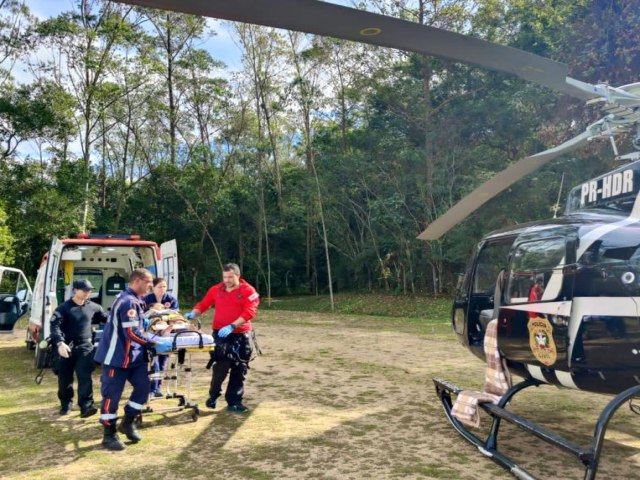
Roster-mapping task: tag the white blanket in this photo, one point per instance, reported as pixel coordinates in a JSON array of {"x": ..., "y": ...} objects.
[{"x": 183, "y": 339}]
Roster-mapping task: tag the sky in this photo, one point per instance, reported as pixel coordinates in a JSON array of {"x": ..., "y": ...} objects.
[{"x": 220, "y": 46}]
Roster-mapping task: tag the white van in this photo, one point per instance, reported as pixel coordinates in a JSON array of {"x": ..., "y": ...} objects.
[
  {"x": 106, "y": 261},
  {"x": 15, "y": 297}
]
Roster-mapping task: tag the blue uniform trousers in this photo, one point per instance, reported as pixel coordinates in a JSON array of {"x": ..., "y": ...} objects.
[
  {"x": 159, "y": 365},
  {"x": 113, "y": 380}
]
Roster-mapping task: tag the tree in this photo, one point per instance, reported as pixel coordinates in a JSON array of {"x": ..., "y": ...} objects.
[
  {"x": 6, "y": 240},
  {"x": 173, "y": 43},
  {"x": 306, "y": 84},
  {"x": 42, "y": 111}
]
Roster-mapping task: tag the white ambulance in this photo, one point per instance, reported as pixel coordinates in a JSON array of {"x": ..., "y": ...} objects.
[{"x": 106, "y": 261}]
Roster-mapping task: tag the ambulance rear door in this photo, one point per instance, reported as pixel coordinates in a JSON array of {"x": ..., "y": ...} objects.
[
  {"x": 50, "y": 301},
  {"x": 169, "y": 266},
  {"x": 44, "y": 303}
]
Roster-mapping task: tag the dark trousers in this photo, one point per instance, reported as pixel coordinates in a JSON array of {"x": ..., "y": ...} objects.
[
  {"x": 113, "y": 380},
  {"x": 80, "y": 361},
  {"x": 231, "y": 358}
]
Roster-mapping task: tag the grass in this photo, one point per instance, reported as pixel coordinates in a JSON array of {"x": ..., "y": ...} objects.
[
  {"x": 418, "y": 315},
  {"x": 375, "y": 304},
  {"x": 343, "y": 395}
]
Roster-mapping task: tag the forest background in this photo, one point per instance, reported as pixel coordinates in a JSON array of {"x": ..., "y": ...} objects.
[{"x": 315, "y": 164}]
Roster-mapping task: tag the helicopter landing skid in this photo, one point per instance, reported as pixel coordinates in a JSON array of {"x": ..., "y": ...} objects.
[{"x": 489, "y": 447}]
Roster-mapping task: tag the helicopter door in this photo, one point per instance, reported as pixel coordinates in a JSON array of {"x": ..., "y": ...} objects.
[
  {"x": 491, "y": 258},
  {"x": 533, "y": 329}
]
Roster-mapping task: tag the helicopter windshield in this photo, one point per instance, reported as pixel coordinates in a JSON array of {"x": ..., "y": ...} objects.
[{"x": 532, "y": 266}]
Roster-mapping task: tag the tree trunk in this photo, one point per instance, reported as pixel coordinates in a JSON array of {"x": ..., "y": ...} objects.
[{"x": 172, "y": 102}]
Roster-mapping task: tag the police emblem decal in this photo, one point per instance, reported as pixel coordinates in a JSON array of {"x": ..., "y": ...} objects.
[
  {"x": 131, "y": 313},
  {"x": 541, "y": 340}
]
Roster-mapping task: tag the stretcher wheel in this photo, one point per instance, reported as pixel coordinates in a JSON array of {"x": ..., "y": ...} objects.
[{"x": 195, "y": 414}]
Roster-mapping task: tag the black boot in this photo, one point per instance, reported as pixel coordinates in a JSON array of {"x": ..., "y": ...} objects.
[
  {"x": 110, "y": 440},
  {"x": 128, "y": 427}
]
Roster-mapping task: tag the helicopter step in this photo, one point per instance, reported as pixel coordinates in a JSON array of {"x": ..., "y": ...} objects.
[{"x": 489, "y": 447}]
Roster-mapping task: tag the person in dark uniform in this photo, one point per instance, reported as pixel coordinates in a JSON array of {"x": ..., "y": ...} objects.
[
  {"x": 123, "y": 354},
  {"x": 236, "y": 303},
  {"x": 160, "y": 296},
  {"x": 72, "y": 335}
]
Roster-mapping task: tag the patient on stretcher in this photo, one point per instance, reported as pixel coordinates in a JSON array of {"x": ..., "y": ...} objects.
[{"x": 170, "y": 323}]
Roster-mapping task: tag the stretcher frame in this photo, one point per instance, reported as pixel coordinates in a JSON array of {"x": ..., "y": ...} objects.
[{"x": 179, "y": 364}]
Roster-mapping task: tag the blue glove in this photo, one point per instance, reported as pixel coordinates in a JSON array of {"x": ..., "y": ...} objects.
[
  {"x": 225, "y": 331},
  {"x": 145, "y": 323},
  {"x": 163, "y": 347},
  {"x": 190, "y": 316}
]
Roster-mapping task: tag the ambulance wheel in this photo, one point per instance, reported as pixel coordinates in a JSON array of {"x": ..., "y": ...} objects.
[{"x": 195, "y": 414}]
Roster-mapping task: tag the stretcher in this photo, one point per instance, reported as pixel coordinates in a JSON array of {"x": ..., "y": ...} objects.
[
  {"x": 186, "y": 340},
  {"x": 170, "y": 324}
]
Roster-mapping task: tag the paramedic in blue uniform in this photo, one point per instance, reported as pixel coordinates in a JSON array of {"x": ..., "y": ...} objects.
[
  {"x": 168, "y": 302},
  {"x": 123, "y": 354},
  {"x": 71, "y": 334}
]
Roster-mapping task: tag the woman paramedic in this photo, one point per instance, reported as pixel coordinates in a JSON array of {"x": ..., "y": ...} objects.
[{"x": 169, "y": 302}]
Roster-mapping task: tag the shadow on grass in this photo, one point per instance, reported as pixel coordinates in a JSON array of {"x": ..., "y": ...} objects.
[
  {"x": 220, "y": 430},
  {"x": 39, "y": 439}
]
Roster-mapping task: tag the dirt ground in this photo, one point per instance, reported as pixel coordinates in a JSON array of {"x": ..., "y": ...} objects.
[{"x": 331, "y": 398}]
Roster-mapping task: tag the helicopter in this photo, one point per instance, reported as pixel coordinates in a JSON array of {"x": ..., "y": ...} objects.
[{"x": 581, "y": 328}]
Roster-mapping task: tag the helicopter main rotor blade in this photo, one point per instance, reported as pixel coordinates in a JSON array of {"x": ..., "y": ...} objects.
[
  {"x": 497, "y": 184},
  {"x": 322, "y": 18}
]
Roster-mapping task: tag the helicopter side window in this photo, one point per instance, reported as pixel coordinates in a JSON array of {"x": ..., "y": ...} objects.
[
  {"x": 532, "y": 265},
  {"x": 491, "y": 260},
  {"x": 610, "y": 267}
]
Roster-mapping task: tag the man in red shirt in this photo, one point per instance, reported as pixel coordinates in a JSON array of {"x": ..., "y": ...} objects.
[
  {"x": 236, "y": 303},
  {"x": 535, "y": 295}
]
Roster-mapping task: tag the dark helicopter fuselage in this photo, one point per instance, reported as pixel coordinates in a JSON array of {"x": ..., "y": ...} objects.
[{"x": 569, "y": 297}]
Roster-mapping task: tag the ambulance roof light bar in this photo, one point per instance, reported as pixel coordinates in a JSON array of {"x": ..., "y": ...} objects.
[{"x": 107, "y": 236}]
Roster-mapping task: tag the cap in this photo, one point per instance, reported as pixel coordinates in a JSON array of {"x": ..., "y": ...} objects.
[{"x": 83, "y": 284}]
